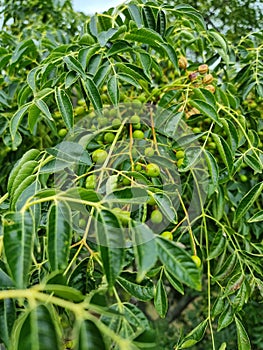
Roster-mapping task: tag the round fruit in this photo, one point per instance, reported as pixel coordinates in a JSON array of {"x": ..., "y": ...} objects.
[
  {"x": 156, "y": 216},
  {"x": 136, "y": 126},
  {"x": 135, "y": 119},
  {"x": 116, "y": 122},
  {"x": 149, "y": 151},
  {"x": 193, "y": 76},
  {"x": 203, "y": 68},
  {"x": 180, "y": 162},
  {"x": 79, "y": 110},
  {"x": 138, "y": 134},
  {"x": 82, "y": 223},
  {"x": 109, "y": 137},
  {"x": 138, "y": 167},
  {"x": 62, "y": 132},
  {"x": 103, "y": 121},
  {"x": 81, "y": 102},
  {"x": 167, "y": 235},
  {"x": 91, "y": 181},
  {"x": 122, "y": 215},
  {"x": 243, "y": 178},
  {"x": 182, "y": 63},
  {"x": 179, "y": 154},
  {"x": 99, "y": 156},
  {"x": 196, "y": 130},
  {"x": 196, "y": 260},
  {"x": 151, "y": 200},
  {"x": 126, "y": 181},
  {"x": 210, "y": 88},
  {"x": 208, "y": 79},
  {"x": 152, "y": 170}
]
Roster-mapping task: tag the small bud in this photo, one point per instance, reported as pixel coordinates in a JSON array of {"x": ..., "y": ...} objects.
[
  {"x": 208, "y": 79},
  {"x": 210, "y": 88},
  {"x": 182, "y": 63},
  {"x": 192, "y": 111},
  {"x": 193, "y": 76},
  {"x": 203, "y": 68}
]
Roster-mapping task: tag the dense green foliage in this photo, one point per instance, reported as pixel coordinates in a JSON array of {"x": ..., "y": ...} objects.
[{"x": 131, "y": 180}]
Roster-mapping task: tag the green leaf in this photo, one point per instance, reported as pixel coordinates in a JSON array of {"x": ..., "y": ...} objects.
[
  {"x": 257, "y": 217},
  {"x": 165, "y": 205},
  {"x": 92, "y": 93},
  {"x": 59, "y": 233},
  {"x": 43, "y": 108},
  {"x": 5, "y": 281},
  {"x": 225, "y": 152},
  {"x": 19, "y": 192},
  {"x": 217, "y": 246},
  {"x": 129, "y": 79},
  {"x": 146, "y": 63},
  {"x": 146, "y": 36},
  {"x": 19, "y": 233},
  {"x": 65, "y": 107},
  {"x": 28, "y": 156},
  {"x": 36, "y": 329},
  {"x": 174, "y": 282},
  {"x": 119, "y": 46},
  {"x": 161, "y": 23},
  {"x": 105, "y": 36},
  {"x": 144, "y": 247},
  {"x": 74, "y": 64},
  {"x": 149, "y": 19},
  {"x": 226, "y": 318},
  {"x": 7, "y": 319},
  {"x": 111, "y": 244},
  {"x": 88, "y": 336},
  {"x": 178, "y": 263},
  {"x": 242, "y": 336},
  {"x": 71, "y": 153},
  {"x": 113, "y": 90},
  {"x": 135, "y": 14},
  {"x": 247, "y": 201},
  {"x": 64, "y": 292},
  {"x": 160, "y": 299},
  {"x": 195, "y": 336},
  {"x": 170, "y": 51},
  {"x": 129, "y": 195},
  {"x": 207, "y": 109},
  {"x": 142, "y": 291},
  {"x": 212, "y": 168},
  {"x": 21, "y": 49},
  {"x": 16, "y": 120},
  {"x": 254, "y": 162}
]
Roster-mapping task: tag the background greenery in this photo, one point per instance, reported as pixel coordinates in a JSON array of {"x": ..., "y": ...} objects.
[{"x": 60, "y": 70}]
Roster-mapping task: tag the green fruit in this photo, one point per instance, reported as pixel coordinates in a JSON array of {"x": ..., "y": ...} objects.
[
  {"x": 156, "y": 216},
  {"x": 62, "y": 132},
  {"x": 79, "y": 110},
  {"x": 116, "y": 122},
  {"x": 167, "y": 235},
  {"x": 149, "y": 151},
  {"x": 180, "y": 162},
  {"x": 81, "y": 102},
  {"x": 102, "y": 121},
  {"x": 135, "y": 119},
  {"x": 152, "y": 170},
  {"x": 138, "y": 134},
  {"x": 138, "y": 167},
  {"x": 188, "y": 343},
  {"x": 91, "y": 181},
  {"x": 179, "y": 154},
  {"x": 212, "y": 145},
  {"x": 99, "y": 156},
  {"x": 243, "y": 178},
  {"x": 151, "y": 200},
  {"x": 196, "y": 130},
  {"x": 196, "y": 260},
  {"x": 136, "y": 126},
  {"x": 126, "y": 181},
  {"x": 109, "y": 137},
  {"x": 122, "y": 215},
  {"x": 82, "y": 222}
]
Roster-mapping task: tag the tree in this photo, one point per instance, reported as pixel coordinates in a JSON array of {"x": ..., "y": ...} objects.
[{"x": 135, "y": 150}]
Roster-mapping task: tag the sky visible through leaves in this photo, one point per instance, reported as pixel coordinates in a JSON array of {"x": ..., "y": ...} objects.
[{"x": 90, "y": 7}]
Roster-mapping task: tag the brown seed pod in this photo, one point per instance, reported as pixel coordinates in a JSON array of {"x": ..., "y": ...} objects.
[
  {"x": 193, "y": 76},
  {"x": 203, "y": 68},
  {"x": 210, "y": 88},
  {"x": 208, "y": 79},
  {"x": 182, "y": 62}
]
